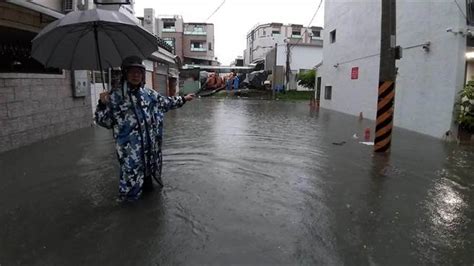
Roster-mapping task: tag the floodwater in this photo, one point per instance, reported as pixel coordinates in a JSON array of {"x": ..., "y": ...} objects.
[{"x": 246, "y": 182}]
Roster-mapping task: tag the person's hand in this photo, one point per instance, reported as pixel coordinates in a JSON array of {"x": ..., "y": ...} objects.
[
  {"x": 189, "y": 97},
  {"x": 104, "y": 97}
]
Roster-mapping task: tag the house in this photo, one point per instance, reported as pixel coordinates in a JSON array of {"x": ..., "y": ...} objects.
[
  {"x": 297, "y": 49},
  {"x": 434, "y": 35},
  {"x": 191, "y": 42}
]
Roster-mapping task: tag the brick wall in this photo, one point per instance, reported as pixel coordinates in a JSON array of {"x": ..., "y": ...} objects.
[{"x": 36, "y": 107}]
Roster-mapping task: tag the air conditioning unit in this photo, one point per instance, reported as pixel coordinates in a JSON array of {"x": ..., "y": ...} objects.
[{"x": 68, "y": 6}]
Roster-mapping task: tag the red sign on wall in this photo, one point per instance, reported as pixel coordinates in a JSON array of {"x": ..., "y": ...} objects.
[{"x": 355, "y": 73}]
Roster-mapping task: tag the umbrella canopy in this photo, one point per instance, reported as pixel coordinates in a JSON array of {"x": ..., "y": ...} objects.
[{"x": 80, "y": 38}]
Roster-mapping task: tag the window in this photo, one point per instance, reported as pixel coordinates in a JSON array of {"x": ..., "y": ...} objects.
[
  {"x": 68, "y": 6},
  {"x": 195, "y": 30},
  {"x": 15, "y": 53},
  {"x": 170, "y": 42},
  {"x": 198, "y": 28},
  {"x": 296, "y": 33},
  {"x": 316, "y": 33},
  {"x": 169, "y": 26},
  {"x": 275, "y": 32},
  {"x": 332, "y": 36},
  {"x": 197, "y": 46},
  {"x": 328, "y": 92},
  {"x": 210, "y": 46}
]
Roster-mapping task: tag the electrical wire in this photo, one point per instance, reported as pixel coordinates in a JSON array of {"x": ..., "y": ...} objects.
[
  {"x": 460, "y": 9},
  {"x": 215, "y": 11},
  {"x": 377, "y": 54},
  {"x": 309, "y": 24}
]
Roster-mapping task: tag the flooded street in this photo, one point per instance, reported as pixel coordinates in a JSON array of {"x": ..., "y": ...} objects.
[{"x": 246, "y": 182}]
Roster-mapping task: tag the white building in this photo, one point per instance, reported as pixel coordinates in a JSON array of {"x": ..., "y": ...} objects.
[
  {"x": 430, "y": 74},
  {"x": 300, "y": 47}
]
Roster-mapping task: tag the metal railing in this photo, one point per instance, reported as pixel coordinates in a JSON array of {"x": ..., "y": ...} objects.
[{"x": 198, "y": 49}]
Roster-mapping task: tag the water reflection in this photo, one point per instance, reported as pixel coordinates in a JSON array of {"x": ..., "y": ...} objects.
[{"x": 246, "y": 182}]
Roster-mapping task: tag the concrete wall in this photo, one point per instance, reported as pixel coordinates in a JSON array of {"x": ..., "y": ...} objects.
[
  {"x": 17, "y": 17},
  {"x": 35, "y": 107},
  {"x": 427, "y": 82},
  {"x": 353, "y": 28},
  {"x": 187, "y": 45},
  {"x": 149, "y": 20},
  {"x": 53, "y": 4},
  {"x": 210, "y": 39}
]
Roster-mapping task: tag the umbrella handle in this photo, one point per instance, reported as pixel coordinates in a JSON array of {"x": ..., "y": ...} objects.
[{"x": 96, "y": 37}]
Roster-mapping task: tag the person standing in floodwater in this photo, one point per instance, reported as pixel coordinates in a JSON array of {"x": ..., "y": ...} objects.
[{"x": 135, "y": 113}]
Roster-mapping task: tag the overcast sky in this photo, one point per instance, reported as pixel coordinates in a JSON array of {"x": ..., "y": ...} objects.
[{"x": 236, "y": 17}]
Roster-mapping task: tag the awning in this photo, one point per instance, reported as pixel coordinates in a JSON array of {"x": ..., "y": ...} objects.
[
  {"x": 37, "y": 8},
  {"x": 200, "y": 58},
  {"x": 163, "y": 56}
]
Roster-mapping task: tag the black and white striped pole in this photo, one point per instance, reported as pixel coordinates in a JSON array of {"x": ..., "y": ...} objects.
[{"x": 389, "y": 52}]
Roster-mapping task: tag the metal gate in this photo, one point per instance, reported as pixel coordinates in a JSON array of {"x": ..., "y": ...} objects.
[{"x": 161, "y": 84}]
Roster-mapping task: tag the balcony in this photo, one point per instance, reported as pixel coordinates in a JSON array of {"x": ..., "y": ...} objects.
[
  {"x": 195, "y": 33},
  {"x": 198, "y": 49}
]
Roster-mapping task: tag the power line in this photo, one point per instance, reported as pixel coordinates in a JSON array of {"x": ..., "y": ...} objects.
[
  {"x": 309, "y": 24},
  {"x": 315, "y": 13},
  {"x": 373, "y": 55},
  {"x": 460, "y": 9},
  {"x": 356, "y": 59},
  {"x": 215, "y": 11}
]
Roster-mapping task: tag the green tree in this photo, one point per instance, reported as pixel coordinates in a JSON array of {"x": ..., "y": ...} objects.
[
  {"x": 307, "y": 78},
  {"x": 465, "y": 115}
]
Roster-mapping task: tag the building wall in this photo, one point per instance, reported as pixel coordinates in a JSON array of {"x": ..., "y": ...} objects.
[
  {"x": 35, "y": 107},
  {"x": 210, "y": 39},
  {"x": 260, "y": 40},
  {"x": 427, "y": 82},
  {"x": 178, "y": 39},
  {"x": 149, "y": 22},
  {"x": 21, "y": 18},
  {"x": 353, "y": 28},
  {"x": 187, "y": 45},
  {"x": 53, "y": 4},
  {"x": 302, "y": 57}
]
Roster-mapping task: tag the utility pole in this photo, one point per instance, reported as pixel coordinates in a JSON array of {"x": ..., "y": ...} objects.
[
  {"x": 274, "y": 72},
  {"x": 288, "y": 69},
  {"x": 387, "y": 76}
]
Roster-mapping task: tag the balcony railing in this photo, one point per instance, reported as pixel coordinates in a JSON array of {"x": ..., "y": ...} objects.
[
  {"x": 169, "y": 29},
  {"x": 198, "y": 49},
  {"x": 195, "y": 33}
]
